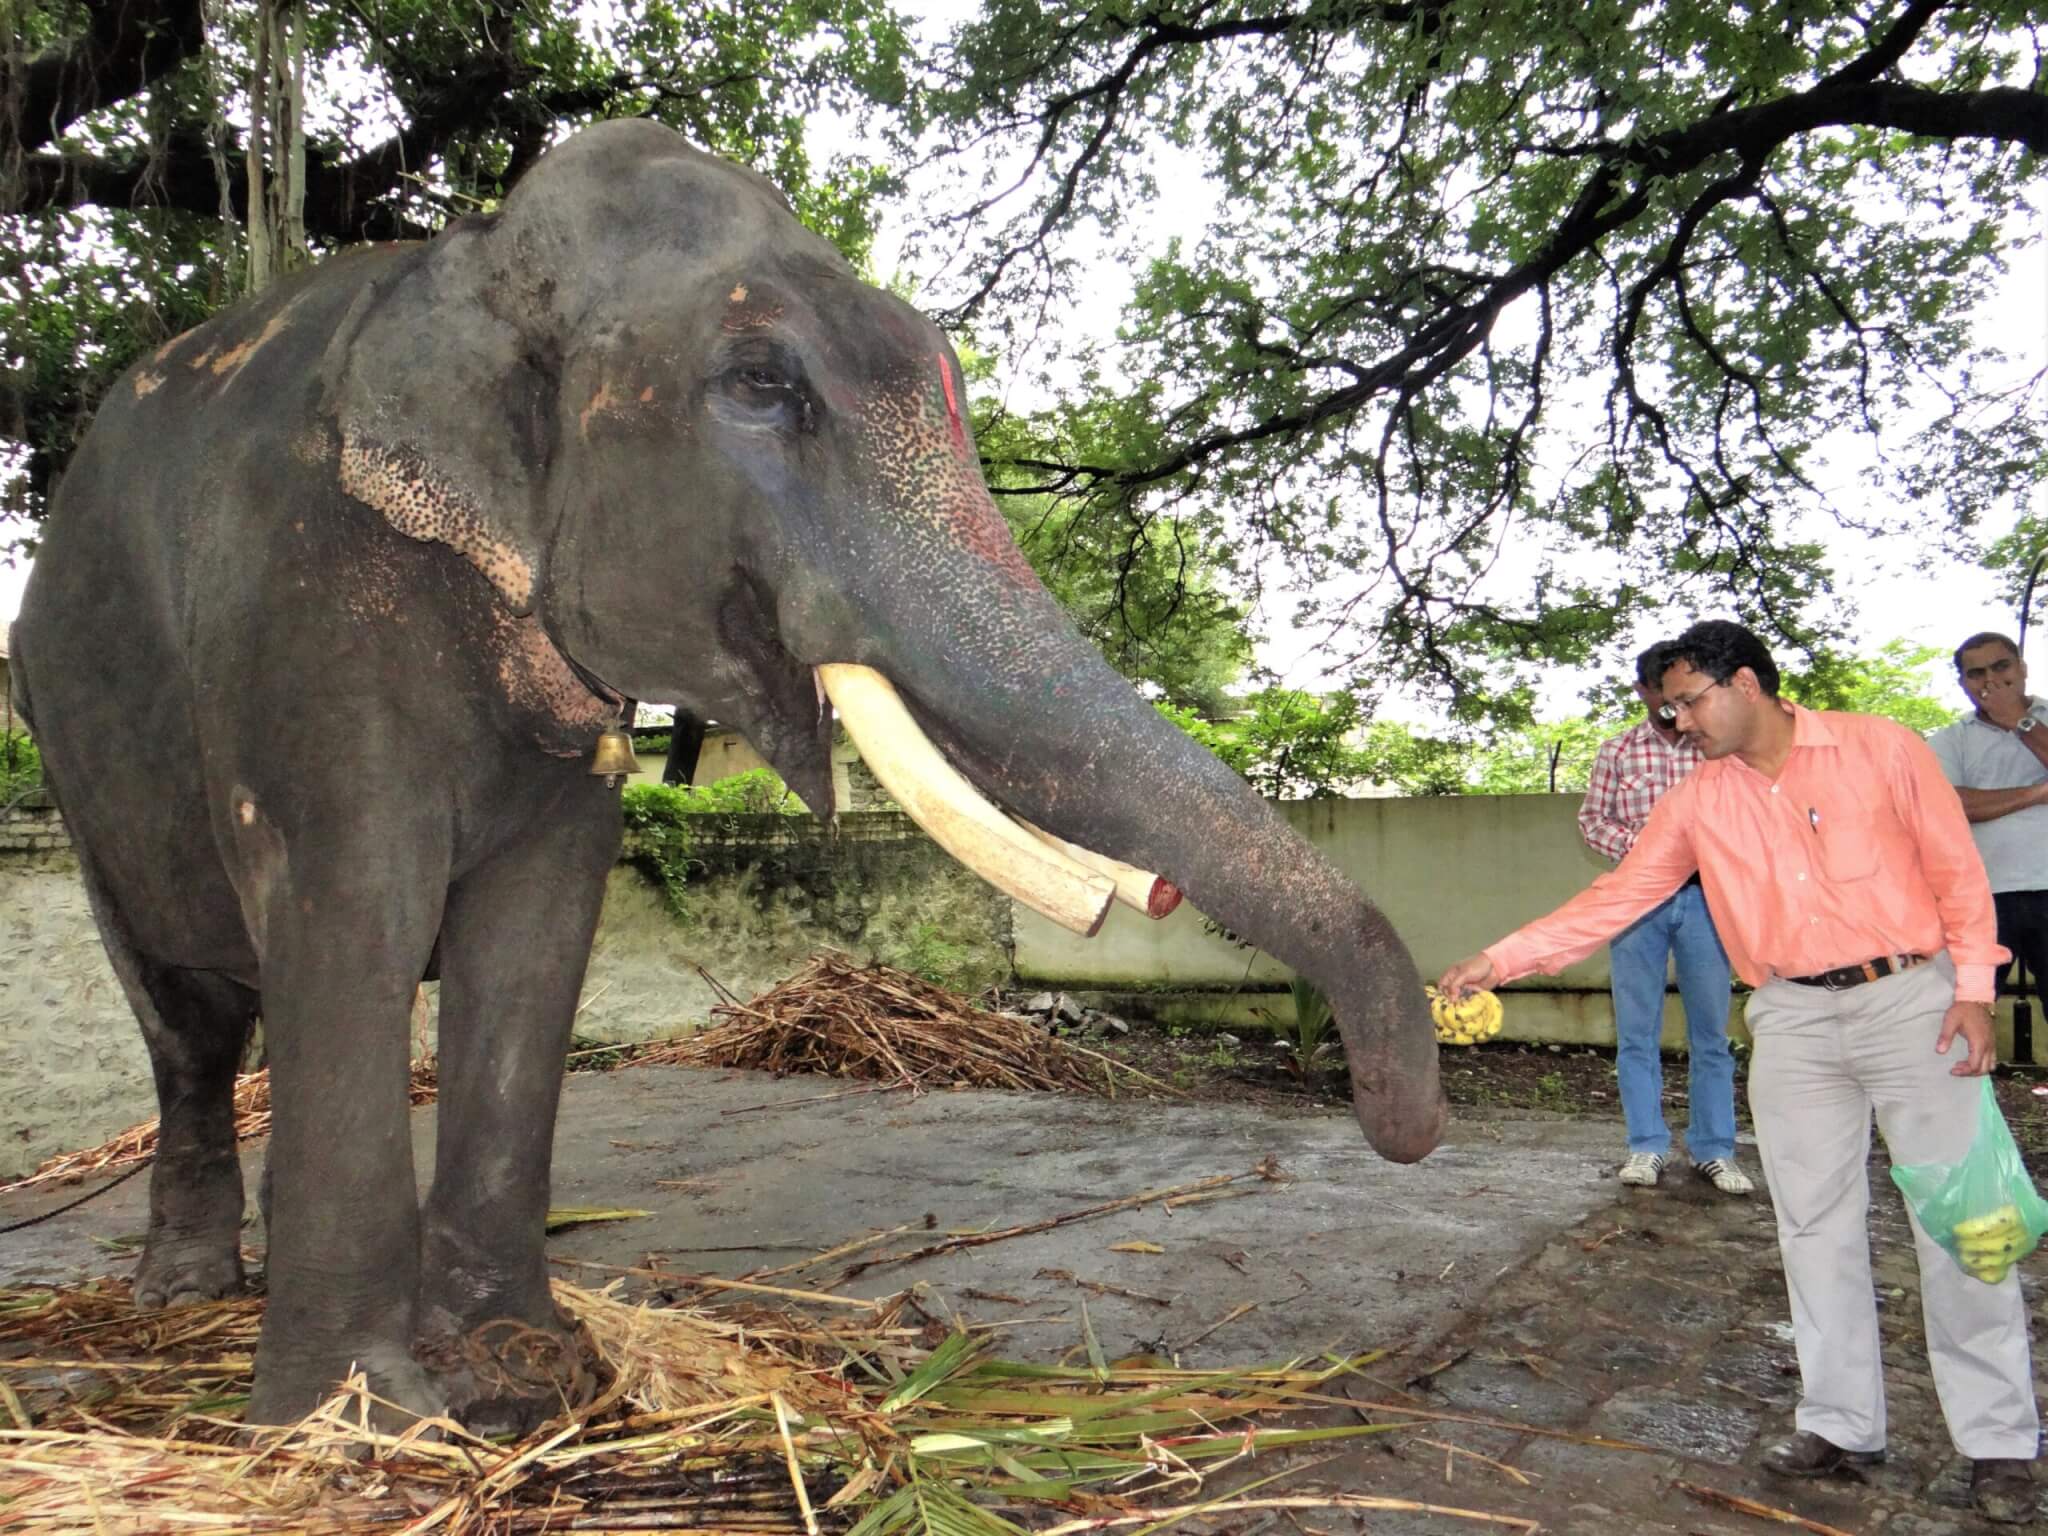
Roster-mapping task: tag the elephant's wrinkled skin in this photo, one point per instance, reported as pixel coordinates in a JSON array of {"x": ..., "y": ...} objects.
[{"x": 335, "y": 599}]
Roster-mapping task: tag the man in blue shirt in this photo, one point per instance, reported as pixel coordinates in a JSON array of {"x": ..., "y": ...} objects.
[{"x": 1997, "y": 759}]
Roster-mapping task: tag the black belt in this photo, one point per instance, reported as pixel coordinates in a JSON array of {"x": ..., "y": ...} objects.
[{"x": 1855, "y": 975}]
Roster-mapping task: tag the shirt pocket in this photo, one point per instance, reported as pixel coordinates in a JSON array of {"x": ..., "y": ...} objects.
[
  {"x": 1638, "y": 791},
  {"x": 1848, "y": 845}
]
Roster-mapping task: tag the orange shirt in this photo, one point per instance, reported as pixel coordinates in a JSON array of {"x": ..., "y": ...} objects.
[{"x": 1860, "y": 848}]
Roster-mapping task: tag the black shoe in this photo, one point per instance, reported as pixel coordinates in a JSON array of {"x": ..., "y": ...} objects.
[
  {"x": 1805, "y": 1454},
  {"x": 2002, "y": 1490}
]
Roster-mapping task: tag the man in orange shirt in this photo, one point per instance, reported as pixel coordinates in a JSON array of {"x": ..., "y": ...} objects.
[{"x": 1841, "y": 875}]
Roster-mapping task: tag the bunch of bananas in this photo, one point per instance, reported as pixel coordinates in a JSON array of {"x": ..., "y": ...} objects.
[
  {"x": 1988, "y": 1245},
  {"x": 1474, "y": 1018}
]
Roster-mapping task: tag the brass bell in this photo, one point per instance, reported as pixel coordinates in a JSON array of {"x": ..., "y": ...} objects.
[{"x": 613, "y": 758}]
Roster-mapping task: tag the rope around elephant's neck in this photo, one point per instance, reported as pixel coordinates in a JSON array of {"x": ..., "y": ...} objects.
[{"x": 72, "y": 1205}]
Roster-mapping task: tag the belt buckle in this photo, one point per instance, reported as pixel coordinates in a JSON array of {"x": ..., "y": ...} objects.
[{"x": 1838, "y": 980}]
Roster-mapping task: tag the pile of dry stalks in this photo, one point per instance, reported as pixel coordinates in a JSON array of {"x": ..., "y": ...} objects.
[
  {"x": 725, "y": 1421},
  {"x": 871, "y": 1022}
]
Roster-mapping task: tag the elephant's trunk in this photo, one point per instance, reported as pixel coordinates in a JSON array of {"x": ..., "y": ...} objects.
[
  {"x": 942, "y": 603},
  {"x": 1031, "y": 714}
]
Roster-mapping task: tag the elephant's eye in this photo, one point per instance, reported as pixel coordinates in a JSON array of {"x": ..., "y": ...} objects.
[{"x": 762, "y": 390}]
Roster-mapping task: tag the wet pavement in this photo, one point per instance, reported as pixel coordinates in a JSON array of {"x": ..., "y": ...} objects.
[{"x": 1515, "y": 1279}]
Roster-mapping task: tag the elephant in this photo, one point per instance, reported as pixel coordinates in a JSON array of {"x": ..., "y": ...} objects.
[{"x": 342, "y": 587}]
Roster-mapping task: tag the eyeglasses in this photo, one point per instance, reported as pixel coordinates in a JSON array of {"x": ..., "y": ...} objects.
[{"x": 1668, "y": 711}]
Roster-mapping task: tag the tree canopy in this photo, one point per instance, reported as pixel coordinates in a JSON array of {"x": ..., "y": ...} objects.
[
  {"x": 1506, "y": 334},
  {"x": 1293, "y": 745},
  {"x": 128, "y": 127},
  {"x": 1514, "y": 325}
]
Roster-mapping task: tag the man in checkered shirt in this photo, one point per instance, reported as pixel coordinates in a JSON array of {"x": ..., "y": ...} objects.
[{"x": 1630, "y": 774}]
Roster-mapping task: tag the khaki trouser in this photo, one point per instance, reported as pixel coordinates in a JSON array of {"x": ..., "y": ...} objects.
[{"x": 1823, "y": 1061}]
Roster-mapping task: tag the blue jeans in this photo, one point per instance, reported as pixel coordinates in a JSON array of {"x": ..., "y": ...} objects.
[{"x": 1680, "y": 930}]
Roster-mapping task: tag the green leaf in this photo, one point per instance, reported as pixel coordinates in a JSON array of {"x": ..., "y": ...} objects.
[{"x": 937, "y": 1367}]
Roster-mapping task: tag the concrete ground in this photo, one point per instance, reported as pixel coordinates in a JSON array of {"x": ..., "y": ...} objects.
[{"x": 1518, "y": 1281}]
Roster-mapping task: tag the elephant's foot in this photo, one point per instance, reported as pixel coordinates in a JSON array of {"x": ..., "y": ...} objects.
[
  {"x": 289, "y": 1389},
  {"x": 177, "y": 1271},
  {"x": 507, "y": 1376}
]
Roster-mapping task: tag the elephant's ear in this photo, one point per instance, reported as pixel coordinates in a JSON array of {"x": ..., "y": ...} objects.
[{"x": 444, "y": 403}]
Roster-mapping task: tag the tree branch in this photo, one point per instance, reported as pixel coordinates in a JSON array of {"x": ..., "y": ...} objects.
[
  {"x": 1613, "y": 196},
  {"x": 127, "y": 44}
]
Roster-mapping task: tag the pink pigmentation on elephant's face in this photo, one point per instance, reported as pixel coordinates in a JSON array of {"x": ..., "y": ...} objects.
[
  {"x": 537, "y": 679},
  {"x": 398, "y": 483},
  {"x": 917, "y": 453}
]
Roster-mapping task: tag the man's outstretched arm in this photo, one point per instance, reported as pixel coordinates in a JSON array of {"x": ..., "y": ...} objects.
[{"x": 1661, "y": 861}]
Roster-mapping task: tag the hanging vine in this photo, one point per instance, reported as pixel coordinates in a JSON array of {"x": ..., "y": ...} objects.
[
  {"x": 275, "y": 160},
  {"x": 225, "y": 277}
]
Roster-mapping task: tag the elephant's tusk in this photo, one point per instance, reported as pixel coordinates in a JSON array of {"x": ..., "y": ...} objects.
[
  {"x": 960, "y": 820},
  {"x": 1153, "y": 895}
]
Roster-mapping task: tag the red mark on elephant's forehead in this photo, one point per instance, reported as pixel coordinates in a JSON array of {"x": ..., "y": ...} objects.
[
  {"x": 738, "y": 294},
  {"x": 952, "y": 403}
]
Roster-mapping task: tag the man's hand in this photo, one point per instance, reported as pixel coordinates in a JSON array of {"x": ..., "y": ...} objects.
[
  {"x": 1467, "y": 976},
  {"x": 2002, "y": 703},
  {"x": 1973, "y": 1022}
]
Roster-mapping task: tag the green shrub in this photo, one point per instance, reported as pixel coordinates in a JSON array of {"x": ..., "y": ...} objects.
[
  {"x": 658, "y": 835},
  {"x": 757, "y": 792},
  {"x": 21, "y": 766},
  {"x": 1311, "y": 1027},
  {"x": 658, "y": 820},
  {"x": 928, "y": 953}
]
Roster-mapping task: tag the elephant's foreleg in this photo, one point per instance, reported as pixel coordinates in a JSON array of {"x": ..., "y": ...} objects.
[
  {"x": 515, "y": 940},
  {"x": 346, "y": 940}
]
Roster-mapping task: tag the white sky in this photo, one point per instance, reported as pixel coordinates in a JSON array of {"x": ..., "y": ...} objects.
[{"x": 1892, "y": 603}]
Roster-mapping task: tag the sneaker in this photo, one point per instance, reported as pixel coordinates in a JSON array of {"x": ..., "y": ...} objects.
[
  {"x": 1722, "y": 1173},
  {"x": 1642, "y": 1168}
]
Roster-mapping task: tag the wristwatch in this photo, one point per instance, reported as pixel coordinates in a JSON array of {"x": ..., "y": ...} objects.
[{"x": 2027, "y": 723}]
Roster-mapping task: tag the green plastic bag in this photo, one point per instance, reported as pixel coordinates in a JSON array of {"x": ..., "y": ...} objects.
[{"x": 1983, "y": 1210}]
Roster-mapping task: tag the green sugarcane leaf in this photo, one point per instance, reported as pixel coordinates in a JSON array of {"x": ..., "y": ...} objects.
[
  {"x": 1095, "y": 1359},
  {"x": 940, "y": 1364}
]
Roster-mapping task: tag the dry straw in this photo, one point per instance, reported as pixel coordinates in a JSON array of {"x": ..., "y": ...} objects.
[
  {"x": 879, "y": 1024},
  {"x": 735, "y": 1420}
]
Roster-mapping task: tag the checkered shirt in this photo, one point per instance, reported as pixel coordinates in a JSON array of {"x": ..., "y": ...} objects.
[{"x": 1631, "y": 773}]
